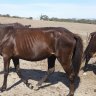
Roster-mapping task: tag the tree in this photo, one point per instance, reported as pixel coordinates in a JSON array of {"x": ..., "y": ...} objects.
[
  {"x": 44, "y": 17},
  {"x": 30, "y": 18}
]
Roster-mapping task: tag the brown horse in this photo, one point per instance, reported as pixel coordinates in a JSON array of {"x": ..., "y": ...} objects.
[
  {"x": 15, "y": 25},
  {"x": 90, "y": 50},
  {"x": 34, "y": 44}
]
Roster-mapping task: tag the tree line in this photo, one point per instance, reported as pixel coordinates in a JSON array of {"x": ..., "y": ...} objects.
[
  {"x": 7, "y": 15},
  {"x": 46, "y": 18},
  {"x": 87, "y": 21}
]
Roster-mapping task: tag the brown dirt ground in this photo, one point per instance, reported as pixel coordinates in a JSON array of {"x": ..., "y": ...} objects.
[{"x": 57, "y": 84}]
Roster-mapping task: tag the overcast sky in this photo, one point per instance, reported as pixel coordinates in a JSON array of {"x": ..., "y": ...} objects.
[{"x": 51, "y": 8}]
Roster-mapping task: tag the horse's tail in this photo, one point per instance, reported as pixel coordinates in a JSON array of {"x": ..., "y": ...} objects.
[{"x": 77, "y": 54}]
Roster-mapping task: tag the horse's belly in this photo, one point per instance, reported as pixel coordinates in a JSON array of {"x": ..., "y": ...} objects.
[
  {"x": 34, "y": 55},
  {"x": 34, "y": 52}
]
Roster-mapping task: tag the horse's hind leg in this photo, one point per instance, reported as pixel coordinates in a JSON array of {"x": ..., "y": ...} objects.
[
  {"x": 86, "y": 63},
  {"x": 16, "y": 64},
  {"x": 51, "y": 68},
  {"x": 65, "y": 60},
  {"x": 85, "y": 68}
]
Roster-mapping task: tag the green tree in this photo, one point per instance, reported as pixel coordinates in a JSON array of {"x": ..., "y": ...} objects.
[
  {"x": 44, "y": 17},
  {"x": 30, "y": 18}
]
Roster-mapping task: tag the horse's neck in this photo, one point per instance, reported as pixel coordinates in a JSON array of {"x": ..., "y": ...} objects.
[{"x": 3, "y": 34}]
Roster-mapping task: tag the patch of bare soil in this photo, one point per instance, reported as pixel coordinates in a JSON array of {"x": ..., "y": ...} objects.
[{"x": 57, "y": 84}]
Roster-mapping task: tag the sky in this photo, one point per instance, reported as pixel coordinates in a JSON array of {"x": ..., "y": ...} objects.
[{"x": 52, "y": 8}]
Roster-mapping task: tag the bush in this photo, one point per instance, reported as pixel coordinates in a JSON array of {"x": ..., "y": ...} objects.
[
  {"x": 44, "y": 17},
  {"x": 30, "y": 18}
]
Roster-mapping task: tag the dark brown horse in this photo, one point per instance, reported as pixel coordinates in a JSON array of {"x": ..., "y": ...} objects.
[
  {"x": 90, "y": 51},
  {"x": 15, "y": 25},
  {"x": 34, "y": 44}
]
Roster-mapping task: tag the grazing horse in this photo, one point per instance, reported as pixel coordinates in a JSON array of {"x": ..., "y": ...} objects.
[
  {"x": 90, "y": 50},
  {"x": 34, "y": 44},
  {"x": 15, "y": 25}
]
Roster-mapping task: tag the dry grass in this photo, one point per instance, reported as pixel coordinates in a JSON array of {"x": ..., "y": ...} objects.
[{"x": 58, "y": 79}]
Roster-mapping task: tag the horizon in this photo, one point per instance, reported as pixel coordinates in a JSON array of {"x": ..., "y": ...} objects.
[{"x": 79, "y": 9}]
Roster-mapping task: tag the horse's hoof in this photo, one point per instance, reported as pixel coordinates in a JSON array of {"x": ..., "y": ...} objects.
[
  {"x": 38, "y": 84},
  {"x": 29, "y": 85},
  {"x": 2, "y": 89},
  {"x": 36, "y": 88},
  {"x": 70, "y": 94}
]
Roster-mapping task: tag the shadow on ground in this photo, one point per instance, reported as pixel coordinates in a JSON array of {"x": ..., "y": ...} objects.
[
  {"x": 38, "y": 74},
  {"x": 91, "y": 67}
]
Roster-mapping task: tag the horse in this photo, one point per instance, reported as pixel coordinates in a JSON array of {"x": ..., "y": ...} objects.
[
  {"x": 15, "y": 25},
  {"x": 90, "y": 50},
  {"x": 34, "y": 44}
]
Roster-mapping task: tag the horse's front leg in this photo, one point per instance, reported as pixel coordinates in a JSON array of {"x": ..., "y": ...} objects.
[
  {"x": 17, "y": 68},
  {"x": 16, "y": 63},
  {"x": 51, "y": 68},
  {"x": 6, "y": 71}
]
